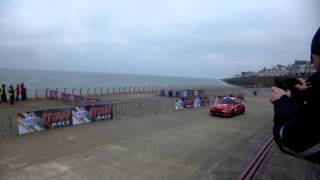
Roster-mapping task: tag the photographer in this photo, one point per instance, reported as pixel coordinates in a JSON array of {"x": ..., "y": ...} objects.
[{"x": 297, "y": 125}]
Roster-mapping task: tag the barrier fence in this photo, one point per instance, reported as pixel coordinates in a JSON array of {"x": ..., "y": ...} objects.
[
  {"x": 8, "y": 120},
  {"x": 9, "y": 124}
]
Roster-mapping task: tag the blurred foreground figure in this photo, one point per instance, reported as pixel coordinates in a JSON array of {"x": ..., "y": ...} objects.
[{"x": 297, "y": 124}]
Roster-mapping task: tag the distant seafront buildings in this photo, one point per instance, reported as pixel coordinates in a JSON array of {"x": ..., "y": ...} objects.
[{"x": 299, "y": 68}]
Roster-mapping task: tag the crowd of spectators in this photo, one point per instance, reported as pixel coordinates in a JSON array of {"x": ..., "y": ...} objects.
[{"x": 19, "y": 93}]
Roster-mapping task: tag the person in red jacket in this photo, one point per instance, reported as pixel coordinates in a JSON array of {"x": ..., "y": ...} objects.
[{"x": 18, "y": 92}]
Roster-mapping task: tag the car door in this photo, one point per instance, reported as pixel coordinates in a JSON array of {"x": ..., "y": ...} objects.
[{"x": 237, "y": 106}]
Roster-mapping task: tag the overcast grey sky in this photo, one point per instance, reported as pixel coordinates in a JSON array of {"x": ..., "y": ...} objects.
[{"x": 200, "y": 38}]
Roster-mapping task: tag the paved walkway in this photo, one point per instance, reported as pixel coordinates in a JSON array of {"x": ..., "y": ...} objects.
[
  {"x": 184, "y": 145},
  {"x": 279, "y": 166}
]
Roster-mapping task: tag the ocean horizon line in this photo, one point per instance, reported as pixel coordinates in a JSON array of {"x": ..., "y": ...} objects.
[{"x": 115, "y": 73}]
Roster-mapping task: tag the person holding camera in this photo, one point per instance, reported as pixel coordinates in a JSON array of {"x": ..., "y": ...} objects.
[{"x": 297, "y": 124}]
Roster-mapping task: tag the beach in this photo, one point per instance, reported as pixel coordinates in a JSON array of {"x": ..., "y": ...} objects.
[{"x": 155, "y": 143}]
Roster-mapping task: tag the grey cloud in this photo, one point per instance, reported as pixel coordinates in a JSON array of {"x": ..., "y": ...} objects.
[{"x": 181, "y": 38}]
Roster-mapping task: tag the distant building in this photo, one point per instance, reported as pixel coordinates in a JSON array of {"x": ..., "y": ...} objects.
[{"x": 299, "y": 68}]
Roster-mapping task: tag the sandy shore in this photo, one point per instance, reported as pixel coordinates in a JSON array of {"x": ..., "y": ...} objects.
[{"x": 188, "y": 144}]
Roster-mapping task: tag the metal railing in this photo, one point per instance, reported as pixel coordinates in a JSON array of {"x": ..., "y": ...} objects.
[
  {"x": 8, "y": 120},
  {"x": 98, "y": 91}
]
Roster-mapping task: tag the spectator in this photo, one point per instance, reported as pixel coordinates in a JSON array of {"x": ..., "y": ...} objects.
[
  {"x": 18, "y": 91},
  {"x": 296, "y": 127},
  {"x": 3, "y": 94},
  {"x": 11, "y": 93},
  {"x": 23, "y": 92}
]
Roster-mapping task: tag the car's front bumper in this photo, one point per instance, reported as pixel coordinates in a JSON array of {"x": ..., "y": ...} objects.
[{"x": 221, "y": 113}]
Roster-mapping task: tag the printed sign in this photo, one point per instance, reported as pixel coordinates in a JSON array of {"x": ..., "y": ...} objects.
[
  {"x": 205, "y": 101},
  {"x": 40, "y": 120},
  {"x": 197, "y": 103},
  {"x": 87, "y": 114},
  {"x": 188, "y": 102},
  {"x": 100, "y": 112},
  {"x": 179, "y": 104},
  {"x": 80, "y": 115}
]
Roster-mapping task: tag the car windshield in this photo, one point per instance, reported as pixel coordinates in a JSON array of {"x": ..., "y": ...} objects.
[{"x": 226, "y": 101}]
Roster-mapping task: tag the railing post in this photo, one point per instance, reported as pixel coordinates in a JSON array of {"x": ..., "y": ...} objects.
[
  {"x": 36, "y": 93},
  {"x": 94, "y": 91},
  {"x": 47, "y": 92},
  {"x": 101, "y": 91},
  {"x": 81, "y": 91},
  {"x": 88, "y": 91},
  {"x": 72, "y": 91}
]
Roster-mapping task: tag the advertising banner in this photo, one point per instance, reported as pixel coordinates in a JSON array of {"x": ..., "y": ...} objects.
[
  {"x": 100, "y": 112},
  {"x": 188, "y": 102},
  {"x": 88, "y": 114},
  {"x": 80, "y": 115},
  {"x": 205, "y": 101},
  {"x": 40, "y": 120},
  {"x": 29, "y": 122}
]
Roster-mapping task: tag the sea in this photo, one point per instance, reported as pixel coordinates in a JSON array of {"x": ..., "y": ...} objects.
[{"x": 65, "y": 79}]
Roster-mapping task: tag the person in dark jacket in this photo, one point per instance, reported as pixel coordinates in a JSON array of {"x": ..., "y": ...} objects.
[
  {"x": 23, "y": 92},
  {"x": 11, "y": 94},
  {"x": 1, "y": 92},
  {"x": 297, "y": 127},
  {"x": 4, "y": 95},
  {"x": 18, "y": 92}
]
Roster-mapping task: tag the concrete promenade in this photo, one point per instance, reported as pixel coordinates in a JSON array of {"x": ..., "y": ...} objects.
[{"x": 189, "y": 144}]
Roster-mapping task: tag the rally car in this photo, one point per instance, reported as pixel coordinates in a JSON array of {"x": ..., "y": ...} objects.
[{"x": 228, "y": 107}]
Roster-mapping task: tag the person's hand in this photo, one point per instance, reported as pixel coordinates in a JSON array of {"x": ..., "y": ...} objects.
[
  {"x": 302, "y": 84},
  {"x": 277, "y": 93}
]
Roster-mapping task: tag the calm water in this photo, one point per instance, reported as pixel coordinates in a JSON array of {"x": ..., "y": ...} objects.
[{"x": 49, "y": 79}]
